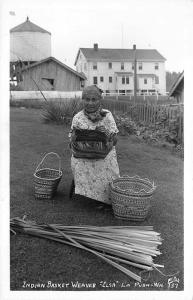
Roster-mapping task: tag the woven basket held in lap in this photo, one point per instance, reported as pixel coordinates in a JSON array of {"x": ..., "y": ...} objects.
[
  {"x": 46, "y": 180},
  {"x": 131, "y": 197}
]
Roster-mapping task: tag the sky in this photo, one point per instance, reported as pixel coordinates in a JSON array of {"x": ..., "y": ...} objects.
[{"x": 150, "y": 24}]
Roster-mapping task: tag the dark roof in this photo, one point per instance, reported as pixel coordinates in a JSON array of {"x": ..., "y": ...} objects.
[
  {"x": 56, "y": 61},
  {"x": 177, "y": 85},
  {"x": 120, "y": 54},
  {"x": 28, "y": 26}
]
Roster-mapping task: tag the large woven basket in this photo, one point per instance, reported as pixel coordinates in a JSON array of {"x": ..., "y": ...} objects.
[
  {"x": 46, "y": 180},
  {"x": 131, "y": 197}
]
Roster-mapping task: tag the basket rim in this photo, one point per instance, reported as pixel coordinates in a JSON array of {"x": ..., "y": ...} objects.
[
  {"x": 60, "y": 172},
  {"x": 133, "y": 179}
]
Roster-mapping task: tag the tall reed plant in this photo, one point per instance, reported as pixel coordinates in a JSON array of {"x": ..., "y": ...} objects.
[{"x": 61, "y": 111}]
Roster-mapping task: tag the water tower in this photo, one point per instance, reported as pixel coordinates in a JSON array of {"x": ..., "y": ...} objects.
[{"x": 29, "y": 43}]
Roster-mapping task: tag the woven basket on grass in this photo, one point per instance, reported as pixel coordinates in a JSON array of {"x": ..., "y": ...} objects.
[
  {"x": 46, "y": 180},
  {"x": 131, "y": 197}
]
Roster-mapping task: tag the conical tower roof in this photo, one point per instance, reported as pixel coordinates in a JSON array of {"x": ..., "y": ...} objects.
[{"x": 28, "y": 26}]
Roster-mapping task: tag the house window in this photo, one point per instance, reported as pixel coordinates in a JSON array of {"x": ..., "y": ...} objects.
[
  {"x": 127, "y": 80},
  {"x": 123, "y": 80},
  {"x": 85, "y": 66},
  {"x": 110, "y": 65},
  {"x": 122, "y": 66},
  {"x": 132, "y": 66},
  {"x": 156, "y": 66},
  {"x": 145, "y": 80},
  {"x": 94, "y": 80},
  {"x": 110, "y": 79},
  {"x": 94, "y": 66},
  {"x": 101, "y": 79},
  {"x": 140, "y": 66},
  {"x": 156, "y": 80}
]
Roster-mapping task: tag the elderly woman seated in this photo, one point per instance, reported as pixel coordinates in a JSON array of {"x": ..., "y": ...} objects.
[{"x": 92, "y": 139}]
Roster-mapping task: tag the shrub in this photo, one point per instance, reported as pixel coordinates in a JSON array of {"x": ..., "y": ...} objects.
[
  {"x": 125, "y": 124},
  {"x": 162, "y": 132},
  {"x": 61, "y": 112}
]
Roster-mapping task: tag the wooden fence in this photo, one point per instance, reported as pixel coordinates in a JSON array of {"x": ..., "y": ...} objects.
[
  {"x": 149, "y": 99},
  {"x": 150, "y": 114}
]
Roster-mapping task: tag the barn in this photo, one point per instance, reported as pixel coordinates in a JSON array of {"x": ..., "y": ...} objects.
[{"x": 49, "y": 74}]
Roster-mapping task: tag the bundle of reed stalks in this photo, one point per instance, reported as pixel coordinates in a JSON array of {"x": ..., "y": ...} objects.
[{"x": 136, "y": 246}]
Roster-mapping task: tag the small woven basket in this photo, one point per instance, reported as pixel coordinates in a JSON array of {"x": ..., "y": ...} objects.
[
  {"x": 131, "y": 197},
  {"x": 46, "y": 180}
]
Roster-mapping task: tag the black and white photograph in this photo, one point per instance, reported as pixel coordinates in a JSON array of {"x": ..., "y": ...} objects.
[{"x": 94, "y": 200}]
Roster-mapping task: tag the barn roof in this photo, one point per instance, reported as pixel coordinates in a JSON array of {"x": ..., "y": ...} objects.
[
  {"x": 102, "y": 54},
  {"x": 177, "y": 85},
  {"x": 28, "y": 26},
  {"x": 81, "y": 75}
]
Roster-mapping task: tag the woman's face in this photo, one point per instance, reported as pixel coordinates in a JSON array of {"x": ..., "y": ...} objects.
[{"x": 91, "y": 102}]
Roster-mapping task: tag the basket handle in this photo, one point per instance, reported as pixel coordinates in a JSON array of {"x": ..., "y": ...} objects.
[{"x": 53, "y": 153}]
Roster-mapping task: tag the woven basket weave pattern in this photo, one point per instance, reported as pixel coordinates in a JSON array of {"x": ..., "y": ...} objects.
[
  {"x": 131, "y": 197},
  {"x": 46, "y": 181}
]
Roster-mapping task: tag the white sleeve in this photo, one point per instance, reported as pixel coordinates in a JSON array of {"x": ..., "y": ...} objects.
[
  {"x": 73, "y": 124},
  {"x": 111, "y": 124}
]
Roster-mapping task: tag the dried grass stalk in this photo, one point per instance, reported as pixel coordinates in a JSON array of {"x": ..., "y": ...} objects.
[{"x": 129, "y": 245}]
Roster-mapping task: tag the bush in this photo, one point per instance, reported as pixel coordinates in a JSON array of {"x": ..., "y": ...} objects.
[
  {"x": 125, "y": 124},
  {"x": 163, "y": 132},
  {"x": 61, "y": 112}
]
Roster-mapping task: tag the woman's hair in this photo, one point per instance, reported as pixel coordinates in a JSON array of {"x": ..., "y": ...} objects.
[{"x": 92, "y": 89}]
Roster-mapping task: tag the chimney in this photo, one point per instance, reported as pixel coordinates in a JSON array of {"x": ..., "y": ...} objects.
[
  {"x": 95, "y": 47},
  {"x": 134, "y": 47}
]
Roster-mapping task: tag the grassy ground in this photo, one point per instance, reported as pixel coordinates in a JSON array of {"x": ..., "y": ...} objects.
[{"x": 35, "y": 260}]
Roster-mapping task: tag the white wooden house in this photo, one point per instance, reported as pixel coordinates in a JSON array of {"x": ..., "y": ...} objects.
[{"x": 113, "y": 69}]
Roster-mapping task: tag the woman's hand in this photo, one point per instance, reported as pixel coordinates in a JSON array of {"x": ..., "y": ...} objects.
[
  {"x": 112, "y": 137},
  {"x": 103, "y": 129}
]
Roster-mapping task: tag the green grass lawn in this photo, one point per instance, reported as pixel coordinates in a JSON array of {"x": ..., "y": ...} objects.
[{"x": 36, "y": 260}]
